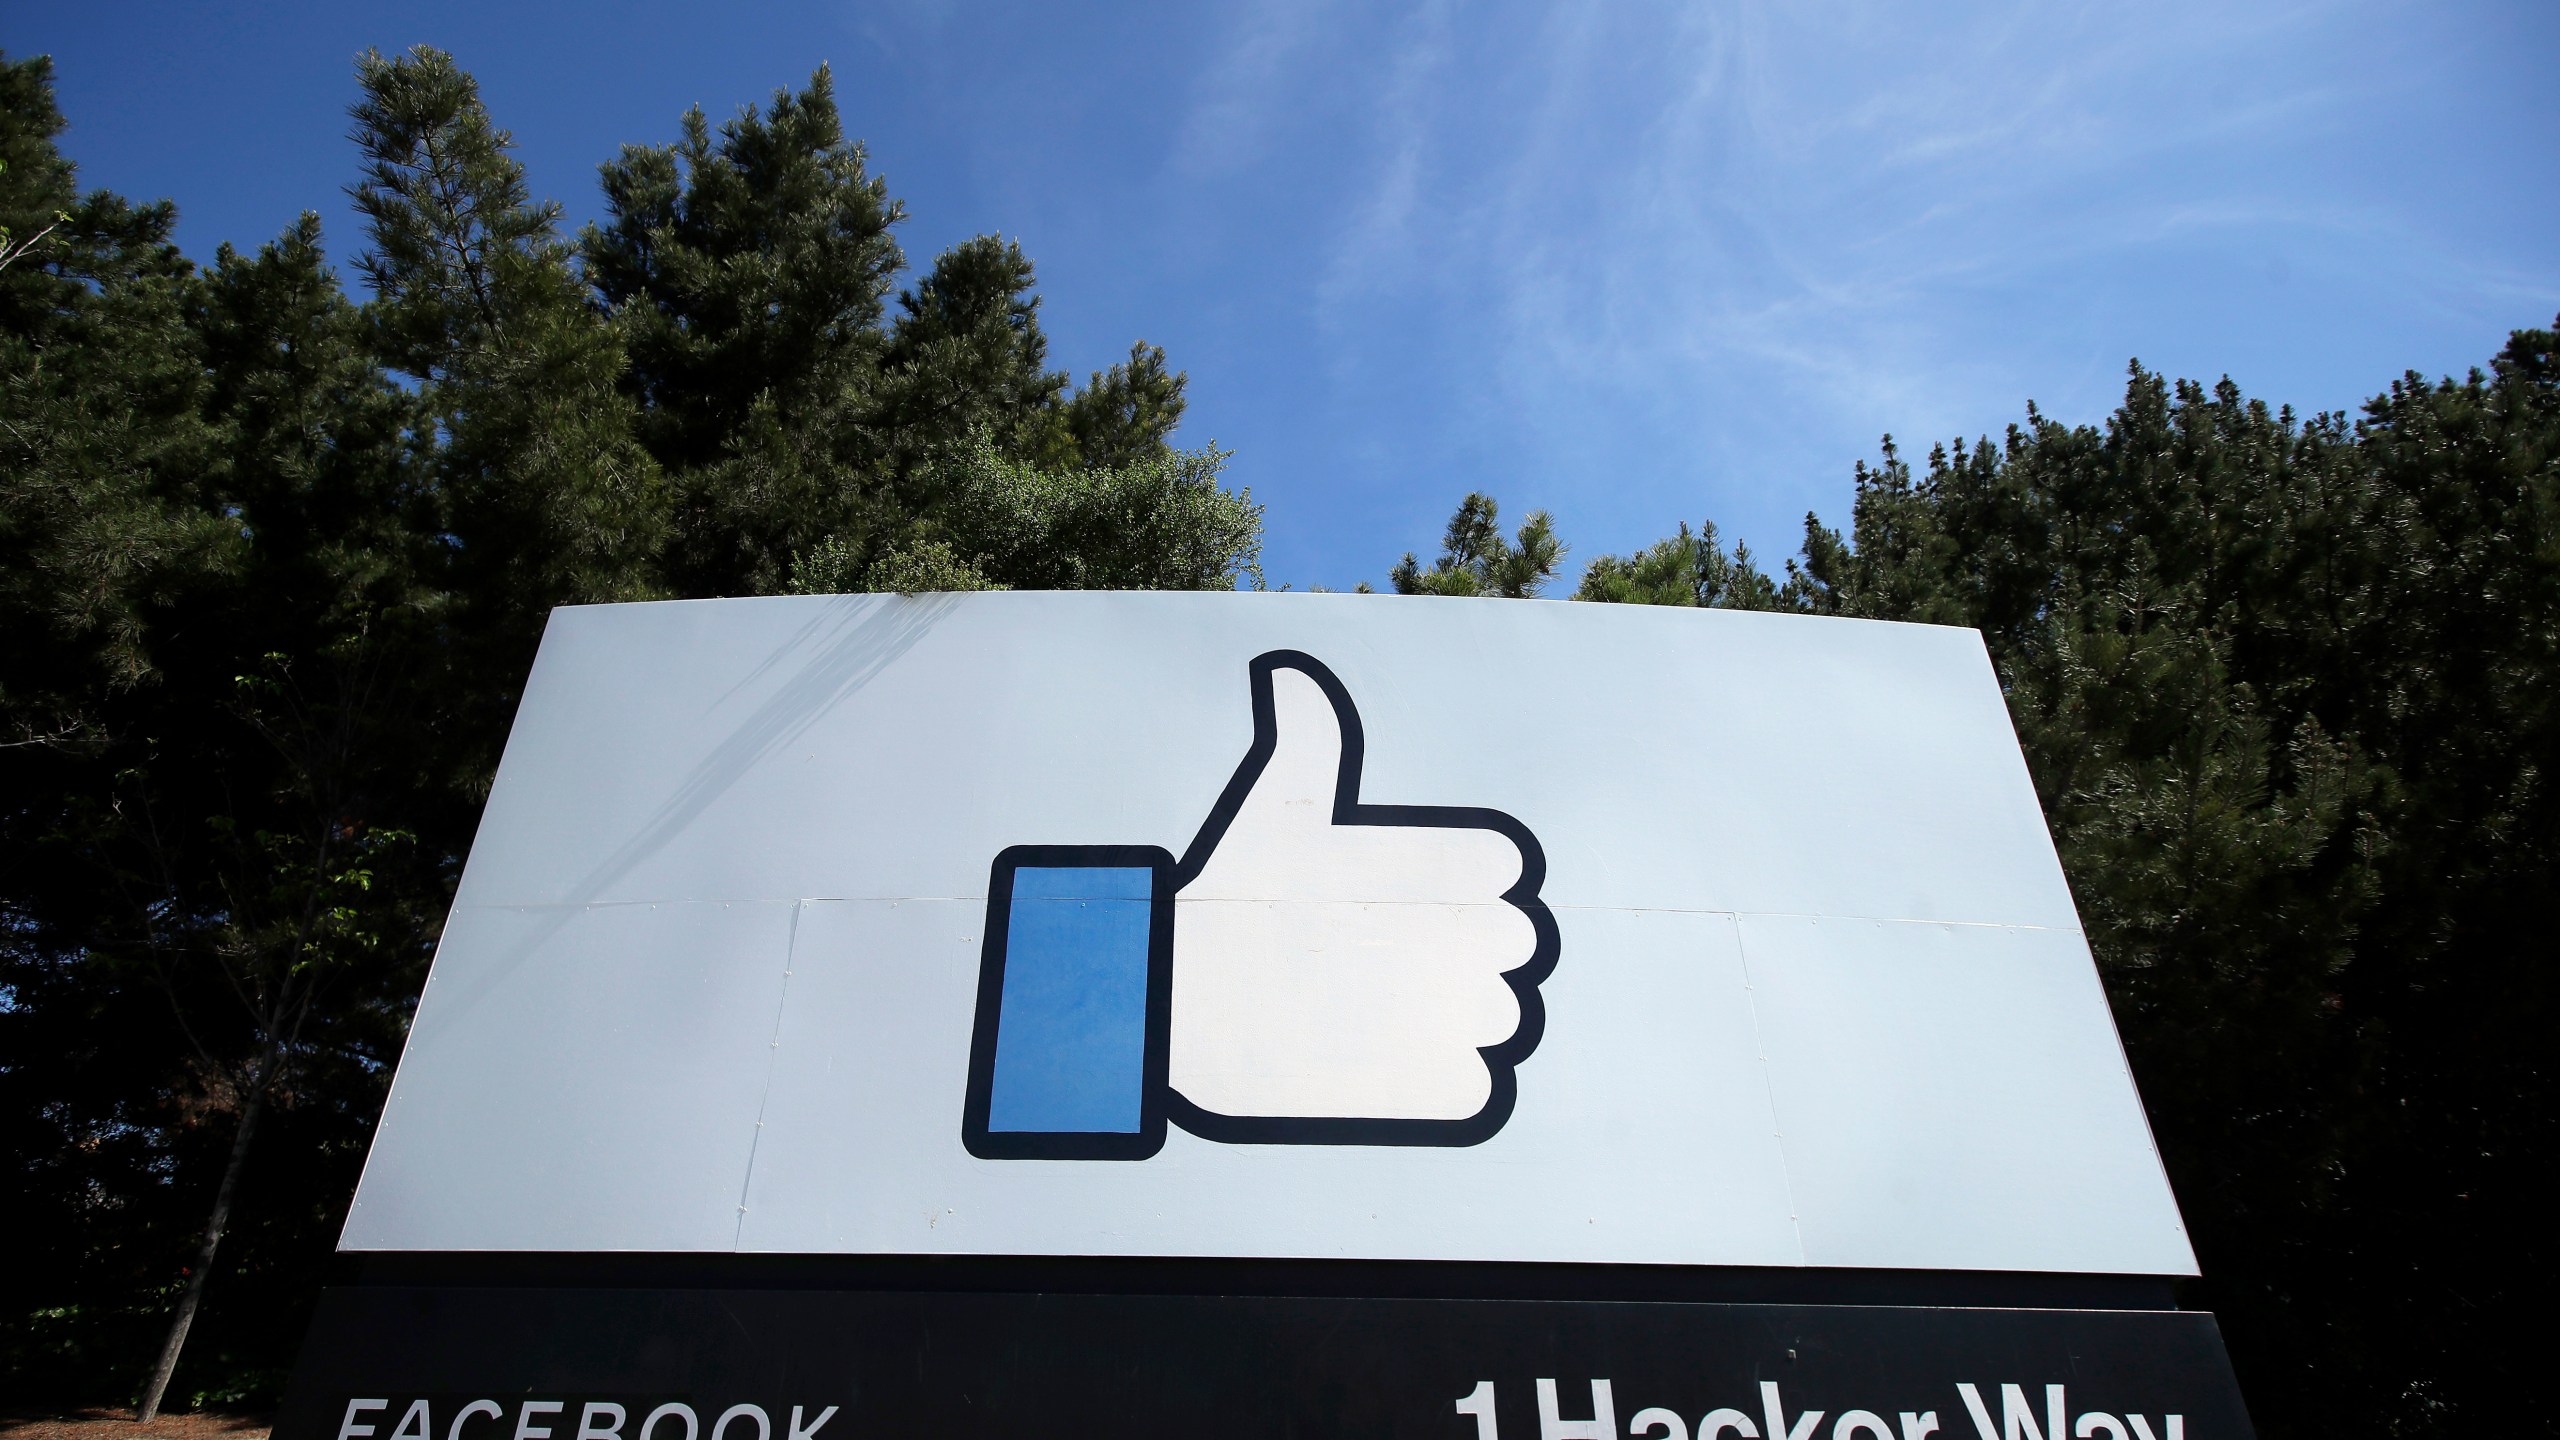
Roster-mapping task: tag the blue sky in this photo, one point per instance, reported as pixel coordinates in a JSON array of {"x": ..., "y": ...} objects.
[{"x": 1631, "y": 263}]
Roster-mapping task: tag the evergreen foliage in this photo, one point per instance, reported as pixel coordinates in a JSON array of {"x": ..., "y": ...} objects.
[
  {"x": 273, "y": 564},
  {"x": 1683, "y": 569},
  {"x": 751, "y": 274},
  {"x": 2287, "y": 689},
  {"x": 810, "y": 430},
  {"x": 273, "y": 561},
  {"x": 1475, "y": 559},
  {"x": 1161, "y": 522},
  {"x": 967, "y": 355},
  {"x": 544, "y": 495},
  {"x": 1125, "y": 414}
]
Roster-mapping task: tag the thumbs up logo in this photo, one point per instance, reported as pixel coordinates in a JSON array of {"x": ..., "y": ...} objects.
[{"x": 1314, "y": 970}]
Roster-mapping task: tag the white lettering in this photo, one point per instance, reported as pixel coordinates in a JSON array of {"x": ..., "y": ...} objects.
[
  {"x": 2142, "y": 1427},
  {"x": 1775, "y": 1412},
  {"x": 477, "y": 1407},
  {"x": 415, "y": 1415},
  {"x": 764, "y": 1426},
  {"x": 2096, "y": 1421},
  {"x": 1916, "y": 1426},
  {"x": 1719, "y": 1420},
  {"x": 526, "y": 1429},
  {"x": 797, "y": 1431},
  {"x": 588, "y": 1429},
  {"x": 348, "y": 1429},
  {"x": 1479, "y": 1403},
  {"x": 1851, "y": 1422},
  {"x": 1603, "y": 1424},
  {"x": 1981, "y": 1416},
  {"x": 692, "y": 1423},
  {"x": 1716, "y": 1422},
  {"x": 2017, "y": 1417},
  {"x": 1655, "y": 1418}
]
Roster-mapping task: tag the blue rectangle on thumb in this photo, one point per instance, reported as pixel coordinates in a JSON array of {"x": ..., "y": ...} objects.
[{"x": 1071, "y": 1038}]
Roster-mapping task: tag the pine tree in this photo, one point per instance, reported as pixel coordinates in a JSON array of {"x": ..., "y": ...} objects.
[
  {"x": 100, "y": 438},
  {"x": 215, "y": 546},
  {"x": 102, "y": 446},
  {"x": 1123, "y": 415},
  {"x": 2290, "y": 691},
  {"x": 750, "y": 273},
  {"x": 272, "y": 566},
  {"x": 281, "y": 894},
  {"x": 966, "y": 356},
  {"x": 1476, "y": 560},
  {"x": 546, "y": 494},
  {"x": 806, "y": 433},
  {"x": 1682, "y": 569}
]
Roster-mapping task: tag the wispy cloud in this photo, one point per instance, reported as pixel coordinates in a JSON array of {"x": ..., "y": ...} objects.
[
  {"x": 1661, "y": 259},
  {"x": 1408, "y": 138},
  {"x": 1803, "y": 195},
  {"x": 1249, "y": 86}
]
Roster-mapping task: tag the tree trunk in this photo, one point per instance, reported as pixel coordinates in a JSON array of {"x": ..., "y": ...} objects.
[{"x": 213, "y": 1227}]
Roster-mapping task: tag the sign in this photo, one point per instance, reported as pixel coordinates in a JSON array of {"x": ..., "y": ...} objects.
[
  {"x": 1498, "y": 931},
  {"x": 590, "y": 1364},
  {"x": 1260, "y": 1015},
  {"x": 1344, "y": 973}
]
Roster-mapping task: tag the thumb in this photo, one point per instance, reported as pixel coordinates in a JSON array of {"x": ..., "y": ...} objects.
[
  {"x": 1306, "y": 726},
  {"x": 1305, "y": 718},
  {"x": 1304, "y": 760}
]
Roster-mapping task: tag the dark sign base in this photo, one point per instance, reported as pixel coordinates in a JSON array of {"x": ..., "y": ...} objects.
[{"x": 547, "y": 1362}]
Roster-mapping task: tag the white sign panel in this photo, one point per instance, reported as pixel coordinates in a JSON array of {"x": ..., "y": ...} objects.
[{"x": 1266, "y": 925}]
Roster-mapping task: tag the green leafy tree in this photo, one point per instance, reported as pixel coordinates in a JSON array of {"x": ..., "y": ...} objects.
[
  {"x": 965, "y": 384},
  {"x": 292, "y": 881},
  {"x": 967, "y": 358},
  {"x": 547, "y": 496},
  {"x": 101, "y": 439},
  {"x": 924, "y": 567},
  {"x": 272, "y": 565},
  {"x": 750, "y": 271},
  {"x": 1160, "y": 523},
  {"x": 2286, "y": 688},
  {"x": 213, "y": 546},
  {"x": 1683, "y": 569},
  {"x": 1123, "y": 415},
  {"x": 1475, "y": 559},
  {"x": 807, "y": 432}
]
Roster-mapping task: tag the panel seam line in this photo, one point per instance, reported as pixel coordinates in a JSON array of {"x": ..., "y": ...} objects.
[
  {"x": 1769, "y": 1089},
  {"x": 772, "y": 1059}
]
